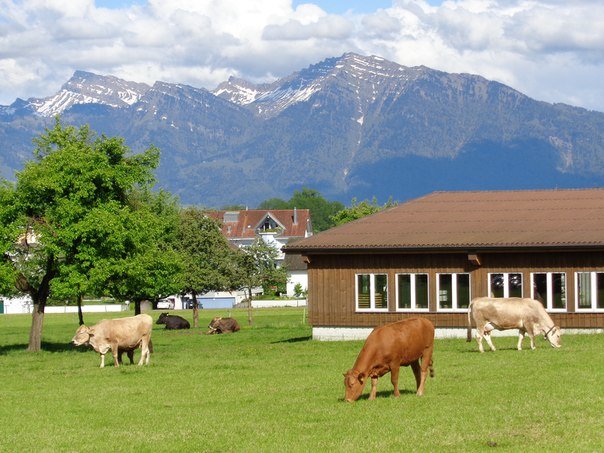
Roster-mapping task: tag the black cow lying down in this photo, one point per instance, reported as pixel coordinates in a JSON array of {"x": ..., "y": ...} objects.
[
  {"x": 222, "y": 325},
  {"x": 173, "y": 322}
]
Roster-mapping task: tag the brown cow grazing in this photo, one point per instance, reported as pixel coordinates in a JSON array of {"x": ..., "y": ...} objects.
[
  {"x": 222, "y": 325},
  {"x": 122, "y": 334},
  {"x": 389, "y": 347},
  {"x": 526, "y": 315}
]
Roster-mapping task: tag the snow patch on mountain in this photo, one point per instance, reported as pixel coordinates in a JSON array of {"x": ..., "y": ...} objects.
[{"x": 88, "y": 88}]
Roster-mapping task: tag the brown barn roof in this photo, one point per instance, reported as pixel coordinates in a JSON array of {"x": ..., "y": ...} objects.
[
  {"x": 487, "y": 219},
  {"x": 244, "y": 224}
]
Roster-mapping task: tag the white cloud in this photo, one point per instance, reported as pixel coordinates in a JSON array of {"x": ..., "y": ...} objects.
[{"x": 552, "y": 50}]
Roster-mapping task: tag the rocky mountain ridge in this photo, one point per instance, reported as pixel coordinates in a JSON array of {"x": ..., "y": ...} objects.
[{"x": 352, "y": 126}]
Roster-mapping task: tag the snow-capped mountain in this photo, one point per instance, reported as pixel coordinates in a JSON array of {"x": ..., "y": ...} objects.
[
  {"x": 87, "y": 88},
  {"x": 352, "y": 126},
  {"x": 364, "y": 77}
]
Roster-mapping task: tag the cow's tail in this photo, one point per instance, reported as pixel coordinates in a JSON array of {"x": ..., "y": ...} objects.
[
  {"x": 150, "y": 345},
  {"x": 431, "y": 366},
  {"x": 469, "y": 332}
]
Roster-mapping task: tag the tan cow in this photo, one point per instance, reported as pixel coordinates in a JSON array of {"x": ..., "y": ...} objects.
[
  {"x": 526, "y": 315},
  {"x": 118, "y": 335},
  {"x": 387, "y": 348}
]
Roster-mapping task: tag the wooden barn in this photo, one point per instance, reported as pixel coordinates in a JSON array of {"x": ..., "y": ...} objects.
[{"x": 430, "y": 256}]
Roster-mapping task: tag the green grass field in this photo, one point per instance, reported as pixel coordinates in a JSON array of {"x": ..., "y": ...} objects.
[{"x": 270, "y": 388}]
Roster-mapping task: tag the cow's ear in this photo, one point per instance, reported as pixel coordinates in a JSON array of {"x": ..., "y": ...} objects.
[{"x": 361, "y": 378}]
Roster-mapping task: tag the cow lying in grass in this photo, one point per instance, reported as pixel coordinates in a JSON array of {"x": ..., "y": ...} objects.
[
  {"x": 222, "y": 325},
  {"x": 173, "y": 322},
  {"x": 387, "y": 348},
  {"x": 118, "y": 335},
  {"x": 497, "y": 313}
]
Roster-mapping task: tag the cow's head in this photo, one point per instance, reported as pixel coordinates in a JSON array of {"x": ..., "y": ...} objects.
[
  {"x": 354, "y": 382},
  {"x": 214, "y": 323},
  {"x": 82, "y": 336},
  {"x": 162, "y": 318},
  {"x": 553, "y": 336}
]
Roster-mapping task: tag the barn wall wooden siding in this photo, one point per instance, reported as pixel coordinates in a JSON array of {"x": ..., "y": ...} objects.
[{"x": 331, "y": 295}]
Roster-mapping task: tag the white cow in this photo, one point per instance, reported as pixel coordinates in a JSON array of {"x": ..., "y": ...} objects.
[
  {"x": 119, "y": 335},
  {"x": 526, "y": 315}
]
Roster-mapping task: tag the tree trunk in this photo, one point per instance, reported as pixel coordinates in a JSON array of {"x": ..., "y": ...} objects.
[
  {"x": 137, "y": 307},
  {"x": 37, "y": 324},
  {"x": 80, "y": 315},
  {"x": 195, "y": 309},
  {"x": 250, "y": 319},
  {"x": 39, "y": 297}
]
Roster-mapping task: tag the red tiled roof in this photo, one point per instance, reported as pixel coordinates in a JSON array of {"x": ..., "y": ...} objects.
[
  {"x": 487, "y": 219},
  {"x": 243, "y": 224}
]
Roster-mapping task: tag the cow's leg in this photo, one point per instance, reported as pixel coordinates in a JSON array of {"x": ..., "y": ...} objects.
[
  {"x": 490, "y": 342},
  {"x": 394, "y": 370},
  {"x": 425, "y": 367},
  {"x": 102, "y": 360},
  {"x": 479, "y": 336},
  {"x": 115, "y": 352},
  {"x": 373, "y": 393},
  {"x": 532, "y": 338},
  {"x": 479, "y": 341},
  {"x": 488, "y": 328},
  {"x": 131, "y": 356},
  {"x": 417, "y": 372},
  {"x": 145, "y": 355},
  {"x": 520, "y": 338}
]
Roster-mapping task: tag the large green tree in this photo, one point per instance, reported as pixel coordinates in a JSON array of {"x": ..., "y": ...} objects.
[
  {"x": 208, "y": 259},
  {"x": 61, "y": 216},
  {"x": 148, "y": 265}
]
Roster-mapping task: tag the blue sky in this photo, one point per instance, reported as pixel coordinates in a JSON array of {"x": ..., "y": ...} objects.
[{"x": 551, "y": 50}]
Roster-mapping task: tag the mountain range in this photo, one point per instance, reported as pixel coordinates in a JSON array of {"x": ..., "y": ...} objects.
[{"x": 351, "y": 126}]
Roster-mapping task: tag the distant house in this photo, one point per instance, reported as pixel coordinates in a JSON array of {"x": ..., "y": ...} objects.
[
  {"x": 275, "y": 226},
  {"x": 430, "y": 256}
]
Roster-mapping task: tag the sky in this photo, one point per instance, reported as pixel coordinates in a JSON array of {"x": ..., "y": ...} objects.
[{"x": 550, "y": 50}]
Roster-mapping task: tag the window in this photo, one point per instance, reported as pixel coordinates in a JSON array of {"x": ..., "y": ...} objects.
[
  {"x": 505, "y": 285},
  {"x": 412, "y": 291},
  {"x": 453, "y": 291},
  {"x": 372, "y": 292},
  {"x": 590, "y": 290},
  {"x": 549, "y": 288}
]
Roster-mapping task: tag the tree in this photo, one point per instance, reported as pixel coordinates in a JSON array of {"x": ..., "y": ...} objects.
[
  {"x": 148, "y": 267},
  {"x": 321, "y": 209},
  {"x": 208, "y": 259},
  {"x": 63, "y": 210},
  {"x": 257, "y": 267},
  {"x": 358, "y": 210},
  {"x": 275, "y": 203}
]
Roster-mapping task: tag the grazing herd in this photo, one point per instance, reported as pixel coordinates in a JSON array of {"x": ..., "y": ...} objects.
[{"x": 409, "y": 342}]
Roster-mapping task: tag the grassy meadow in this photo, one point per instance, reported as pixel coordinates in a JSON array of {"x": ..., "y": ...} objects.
[{"x": 271, "y": 388}]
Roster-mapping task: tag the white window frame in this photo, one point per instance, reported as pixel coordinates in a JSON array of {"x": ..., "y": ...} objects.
[
  {"x": 413, "y": 301},
  {"x": 454, "y": 308},
  {"x": 372, "y": 307},
  {"x": 594, "y": 292},
  {"x": 549, "y": 280},
  {"x": 506, "y": 282}
]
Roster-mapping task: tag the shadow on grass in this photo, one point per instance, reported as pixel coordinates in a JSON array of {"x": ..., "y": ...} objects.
[
  {"x": 384, "y": 394},
  {"x": 294, "y": 340},
  {"x": 46, "y": 346}
]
